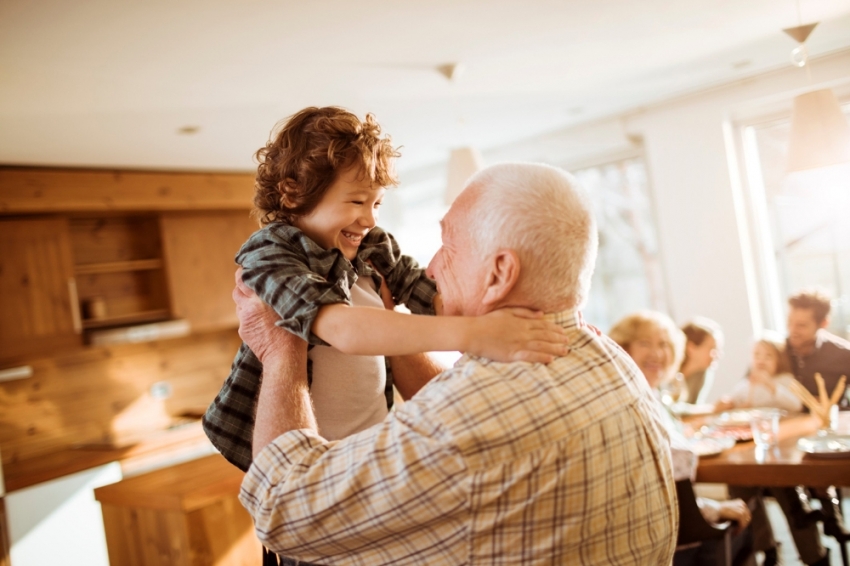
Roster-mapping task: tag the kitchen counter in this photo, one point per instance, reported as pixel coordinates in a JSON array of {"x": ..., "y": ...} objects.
[
  {"x": 183, "y": 515},
  {"x": 161, "y": 449}
]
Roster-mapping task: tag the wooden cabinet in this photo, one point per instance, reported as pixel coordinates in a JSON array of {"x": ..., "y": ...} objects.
[
  {"x": 119, "y": 270},
  {"x": 62, "y": 276},
  {"x": 199, "y": 249},
  {"x": 185, "y": 515},
  {"x": 39, "y": 312}
]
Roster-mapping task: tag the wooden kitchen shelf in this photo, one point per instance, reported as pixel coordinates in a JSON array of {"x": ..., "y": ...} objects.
[
  {"x": 116, "y": 266},
  {"x": 127, "y": 319}
]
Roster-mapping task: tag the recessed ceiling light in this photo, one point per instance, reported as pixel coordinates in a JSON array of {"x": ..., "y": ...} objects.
[{"x": 188, "y": 130}]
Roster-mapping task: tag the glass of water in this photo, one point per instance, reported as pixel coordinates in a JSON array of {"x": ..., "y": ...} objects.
[{"x": 765, "y": 425}]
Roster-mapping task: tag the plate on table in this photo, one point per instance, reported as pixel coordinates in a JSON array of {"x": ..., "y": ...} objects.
[
  {"x": 682, "y": 409},
  {"x": 826, "y": 446},
  {"x": 741, "y": 417},
  {"x": 736, "y": 433},
  {"x": 705, "y": 447}
]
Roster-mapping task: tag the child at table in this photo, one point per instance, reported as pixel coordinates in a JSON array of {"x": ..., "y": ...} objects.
[
  {"x": 320, "y": 262},
  {"x": 767, "y": 383}
]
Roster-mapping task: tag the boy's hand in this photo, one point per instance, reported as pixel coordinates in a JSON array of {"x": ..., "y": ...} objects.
[{"x": 517, "y": 335}]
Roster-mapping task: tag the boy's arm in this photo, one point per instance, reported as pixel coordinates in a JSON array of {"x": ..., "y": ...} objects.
[
  {"x": 502, "y": 335},
  {"x": 294, "y": 276}
]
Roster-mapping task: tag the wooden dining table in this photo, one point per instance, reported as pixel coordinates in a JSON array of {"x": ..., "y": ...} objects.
[{"x": 782, "y": 465}]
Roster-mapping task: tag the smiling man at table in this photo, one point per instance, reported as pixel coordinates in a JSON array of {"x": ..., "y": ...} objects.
[
  {"x": 490, "y": 463},
  {"x": 812, "y": 350}
]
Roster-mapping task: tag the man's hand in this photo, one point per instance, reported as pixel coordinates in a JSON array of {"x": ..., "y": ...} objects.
[
  {"x": 257, "y": 324},
  {"x": 284, "y": 401}
]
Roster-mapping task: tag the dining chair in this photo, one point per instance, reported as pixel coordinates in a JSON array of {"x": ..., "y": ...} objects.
[{"x": 694, "y": 530}]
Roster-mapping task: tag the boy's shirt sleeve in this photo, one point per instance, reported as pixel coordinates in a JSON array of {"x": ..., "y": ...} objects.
[
  {"x": 406, "y": 280},
  {"x": 295, "y": 276}
]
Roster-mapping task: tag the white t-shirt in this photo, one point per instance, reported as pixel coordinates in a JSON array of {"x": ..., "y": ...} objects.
[
  {"x": 348, "y": 391},
  {"x": 746, "y": 394}
]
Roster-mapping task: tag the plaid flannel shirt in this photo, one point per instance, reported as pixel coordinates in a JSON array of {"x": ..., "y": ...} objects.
[
  {"x": 296, "y": 277},
  {"x": 489, "y": 463}
]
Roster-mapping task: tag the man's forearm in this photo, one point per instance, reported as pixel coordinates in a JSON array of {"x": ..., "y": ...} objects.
[
  {"x": 411, "y": 373},
  {"x": 284, "y": 402}
]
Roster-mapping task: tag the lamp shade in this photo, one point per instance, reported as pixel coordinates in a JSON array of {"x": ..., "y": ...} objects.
[
  {"x": 464, "y": 162},
  {"x": 820, "y": 134}
]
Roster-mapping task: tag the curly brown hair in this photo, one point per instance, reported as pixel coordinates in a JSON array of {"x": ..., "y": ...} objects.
[
  {"x": 299, "y": 164},
  {"x": 815, "y": 300}
]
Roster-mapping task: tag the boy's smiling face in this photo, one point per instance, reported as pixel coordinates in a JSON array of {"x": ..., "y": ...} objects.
[{"x": 345, "y": 214}]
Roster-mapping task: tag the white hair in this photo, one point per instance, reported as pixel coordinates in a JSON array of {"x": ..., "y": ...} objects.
[{"x": 543, "y": 214}]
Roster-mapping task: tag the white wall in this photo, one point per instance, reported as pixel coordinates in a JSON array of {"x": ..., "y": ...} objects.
[
  {"x": 693, "y": 178},
  {"x": 694, "y": 185}
]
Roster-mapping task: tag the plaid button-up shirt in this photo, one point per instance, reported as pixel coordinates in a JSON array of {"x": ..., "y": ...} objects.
[
  {"x": 296, "y": 277},
  {"x": 490, "y": 463}
]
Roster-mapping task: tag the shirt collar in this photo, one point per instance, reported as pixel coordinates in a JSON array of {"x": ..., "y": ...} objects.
[{"x": 570, "y": 318}]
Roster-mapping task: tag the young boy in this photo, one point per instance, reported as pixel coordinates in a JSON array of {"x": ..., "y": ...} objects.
[{"x": 319, "y": 185}]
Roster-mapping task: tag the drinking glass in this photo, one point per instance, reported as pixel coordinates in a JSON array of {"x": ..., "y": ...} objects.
[{"x": 765, "y": 426}]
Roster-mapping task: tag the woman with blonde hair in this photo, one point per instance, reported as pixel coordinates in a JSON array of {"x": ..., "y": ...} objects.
[{"x": 656, "y": 345}]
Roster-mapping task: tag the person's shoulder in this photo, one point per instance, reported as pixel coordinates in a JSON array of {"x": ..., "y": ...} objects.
[{"x": 836, "y": 342}]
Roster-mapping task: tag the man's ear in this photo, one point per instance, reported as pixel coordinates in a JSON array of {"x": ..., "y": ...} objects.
[
  {"x": 824, "y": 323},
  {"x": 502, "y": 277}
]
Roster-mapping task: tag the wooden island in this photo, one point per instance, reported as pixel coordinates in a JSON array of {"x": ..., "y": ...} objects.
[{"x": 183, "y": 515}]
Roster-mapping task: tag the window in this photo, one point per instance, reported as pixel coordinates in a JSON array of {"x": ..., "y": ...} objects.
[
  {"x": 799, "y": 226},
  {"x": 628, "y": 271},
  {"x": 628, "y": 275}
]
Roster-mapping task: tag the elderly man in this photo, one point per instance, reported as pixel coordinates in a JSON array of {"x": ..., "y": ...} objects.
[{"x": 489, "y": 463}]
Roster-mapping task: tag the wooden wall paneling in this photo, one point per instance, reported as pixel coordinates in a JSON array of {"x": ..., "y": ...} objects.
[
  {"x": 5, "y": 545},
  {"x": 199, "y": 249},
  {"x": 38, "y": 310},
  {"x": 101, "y": 395},
  {"x": 36, "y": 190}
]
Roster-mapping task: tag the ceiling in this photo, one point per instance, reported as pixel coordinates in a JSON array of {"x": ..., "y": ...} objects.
[{"x": 105, "y": 83}]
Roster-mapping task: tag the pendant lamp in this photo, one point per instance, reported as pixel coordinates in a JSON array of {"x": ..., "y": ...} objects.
[{"x": 820, "y": 133}]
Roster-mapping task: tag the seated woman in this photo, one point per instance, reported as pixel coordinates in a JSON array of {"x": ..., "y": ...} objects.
[
  {"x": 655, "y": 344},
  {"x": 767, "y": 382},
  {"x": 702, "y": 350}
]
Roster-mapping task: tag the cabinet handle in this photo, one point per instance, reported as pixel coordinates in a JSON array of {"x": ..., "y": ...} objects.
[{"x": 77, "y": 320}]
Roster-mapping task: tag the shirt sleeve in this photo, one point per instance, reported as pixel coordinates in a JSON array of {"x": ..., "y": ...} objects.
[
  {"x": 406, "y": 280},
  {"x": 295, "y": 276},
  {"x": 315, "y": 500}
]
